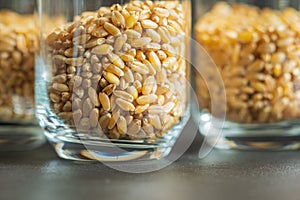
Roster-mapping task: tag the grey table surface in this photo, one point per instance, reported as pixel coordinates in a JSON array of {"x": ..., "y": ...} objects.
[{"x": 223, "y": 175}]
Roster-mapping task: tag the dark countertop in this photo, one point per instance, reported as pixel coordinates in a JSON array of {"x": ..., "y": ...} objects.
[{"x": 223, "y": 175}]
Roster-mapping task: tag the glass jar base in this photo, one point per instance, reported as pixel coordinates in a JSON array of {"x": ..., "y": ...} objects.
[
  {"x": 229, "y": 135},
  {"x": 260, "y": 143},
  {"x": 19, "y": 138},
  {"x": 84, "y": 147},
  {"x": 95, "y": 149},
  {"x": 84, "y": 152}
]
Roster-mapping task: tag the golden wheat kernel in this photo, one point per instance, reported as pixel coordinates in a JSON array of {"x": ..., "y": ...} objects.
[
  {"x": 145, "y": 14},
  {"x": 140, "y": 42},
  {"x": 113, "y": 120},
  {"x": 119, "y": 42},
  {"x": 124, "y": 95},
  {"x": 149, "y": 24},
  {"x": 155, "y": 121},
  {"x": 115, "y": 70},
  {"x": 285, "y": 42},
  {"x": 140, "y": 55},
  {"x": 94, "y": 42},
  {"x": 130, "y": 21},
  {"x": 93, "y": 96},
  {"x": 148, "y": 85},
  {"x": 125, "y": 105},
  {"x": 139, "y": 68},
  {"x": 103, "y": 83},
  {"x": 132, "y": 34},
  {"x": 133, "y": 91},
  {"x": 62, "y": 78},
  {"x": 169, "y": 62},
  {"x": 146, "y": 99},
  {"x": 109, "y": 89},
  {"x": 138, "y": 85},
  {"x": 54, "y": 97},
  {"x": 141, "y": 108},
  {"x": 277, "y": 70},
  {"x": 104, "y": 120},
  {"x": 87, "y": 106},
  {"x": 114, "y": 133},
  {"x": 155, "y": 37},
  {"x": 128, "y": 75},
  {"x": 65, "y": 96},
  {"x": 278, "y": 57},
  {"x": 266, "y": 48},
  {"x": 65, "y": 115},
  {"x": 77, "y": 114},
  {"x": 104, "y": 100},
  {"x": 155, "y": 61},
  {"x": 118, "y": 19},
  {"x": 152, "y": 47},
  {"x": 103, "y": 49},
  {"x": 79, "y": 92},
  {"x": 122, "y": 125},
  {"x": 164, "y": 34},
  {"x": 60, "y": 87},
  {"x": 161, "y": 55},
  {"x": 86, "y": 83},
  {"x": 155, "y": 109},
  {"x": 168, "y": 107},
  {"x": 256, "y": 66},
  {"x": 99, "y": 32},
  {"x": 112, "y": 29},
  {"x": 94, "y": 115},
  {"x": 74, "y": 61},
  {"x": 111, "y": 78},
  {"x": 134, "y": 127},
  {"x": 260, "y": 87},
  {"x": 161, "y": 12},
  {"x": 116, "y": 60},
  {"x": 125, "y": 13}
]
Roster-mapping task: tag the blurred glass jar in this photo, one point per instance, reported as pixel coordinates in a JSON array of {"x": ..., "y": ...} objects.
[
  {"x": 18, "y": 45},
  {"x": 112, "y": 81},
  {"x": 255, "y": 46}
]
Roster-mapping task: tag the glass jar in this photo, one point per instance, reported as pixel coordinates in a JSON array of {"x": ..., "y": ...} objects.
[
  {"x": 18, "y": 45},
  {"x": 255, "y": 46},
  {"x": 112, "y": 80}
]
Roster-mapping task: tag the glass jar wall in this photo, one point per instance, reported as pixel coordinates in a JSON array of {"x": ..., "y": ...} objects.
[
  {"x": 18, "y": 45},
  {"x": 255, "y": 47},
  {"x": 112, "y": 79}
]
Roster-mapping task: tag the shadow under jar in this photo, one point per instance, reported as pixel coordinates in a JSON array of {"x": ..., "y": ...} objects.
[
  {"x": 18, "y": 45},
  {"x": 255, "y": 45},
  {"x": 113, "y": 79}
]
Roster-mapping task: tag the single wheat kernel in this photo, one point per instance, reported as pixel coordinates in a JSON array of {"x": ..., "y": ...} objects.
[
  {"x": 117, "y": 19},
  {"x": 104, "y": 100},
  {"x": 125, "y": 105},
  {"x": 146, "y": 99},
  {"x": 94, "y": 115},
  {"x": 113, "y": 30},
  {"x": 111, "y": 78},
  {"x": 116, "y": 60},
  {"x": 114, "y": 119},
  {"x": 103, "y": 49},
  {"x": 122, "y": 125}
]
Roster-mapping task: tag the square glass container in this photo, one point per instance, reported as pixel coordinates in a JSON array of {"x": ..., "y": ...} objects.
[
  {"x": 112, "y": 80},
  {"x": 255, "y": 46}
]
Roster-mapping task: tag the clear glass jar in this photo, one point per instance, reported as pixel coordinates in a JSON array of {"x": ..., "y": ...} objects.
[
  {"x": 112, "y": 81},
  {"x": 18, "y": 45},
  {"x": 255, "y": 46}
]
